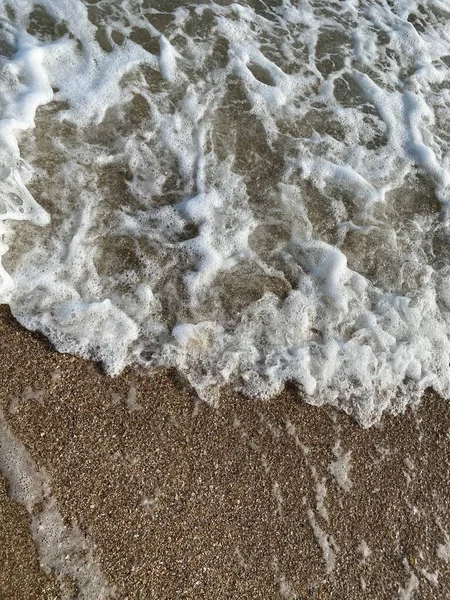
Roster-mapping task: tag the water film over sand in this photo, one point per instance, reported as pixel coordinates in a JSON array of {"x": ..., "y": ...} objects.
[{"x": 136, "y": 489}]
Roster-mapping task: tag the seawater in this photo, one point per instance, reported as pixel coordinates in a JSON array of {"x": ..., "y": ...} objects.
[{"x": 252, "y": 192}]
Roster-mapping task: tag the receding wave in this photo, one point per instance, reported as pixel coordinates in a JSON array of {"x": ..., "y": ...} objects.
[{"x": 252, "y": 192}]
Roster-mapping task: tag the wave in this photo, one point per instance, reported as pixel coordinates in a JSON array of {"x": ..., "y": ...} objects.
[{"x": 252, "y": 192}]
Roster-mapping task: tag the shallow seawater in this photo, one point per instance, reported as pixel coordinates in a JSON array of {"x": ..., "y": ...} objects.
[{"x": 252, "y": 192}]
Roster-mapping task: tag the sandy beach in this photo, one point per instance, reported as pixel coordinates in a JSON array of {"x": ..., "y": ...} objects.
[
  {"x": 130, "y": 487},
  {"x": 251, "y": 198}
]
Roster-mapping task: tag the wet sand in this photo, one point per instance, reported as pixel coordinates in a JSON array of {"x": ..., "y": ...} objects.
[{"x": 146, "y": 492}]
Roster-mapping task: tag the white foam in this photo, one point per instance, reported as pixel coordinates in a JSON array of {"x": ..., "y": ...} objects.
[
  {"x": 340, "y": 468},
  {"x": 325, "y": 541},
  {"x": 443, "y": 550},
  {"x": 412, "y": 585},
  {"x": 252, "y": 195},
  {"x": 364, "y": 550},
  {"x": 63, "y": 550}
]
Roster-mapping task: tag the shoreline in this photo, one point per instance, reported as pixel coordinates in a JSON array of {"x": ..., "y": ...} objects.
[{"x": 159, "y": 495}]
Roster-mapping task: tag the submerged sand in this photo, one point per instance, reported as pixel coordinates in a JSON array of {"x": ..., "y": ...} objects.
[{"x": 146, "y": 492}]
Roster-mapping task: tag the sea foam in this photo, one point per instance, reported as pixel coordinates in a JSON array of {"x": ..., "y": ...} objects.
[{"x": 252, "y": 193}]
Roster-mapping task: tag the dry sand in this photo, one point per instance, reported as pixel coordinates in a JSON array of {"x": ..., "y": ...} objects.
[{"x": 146, "y": 491}]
